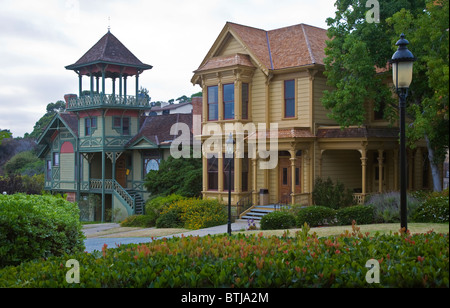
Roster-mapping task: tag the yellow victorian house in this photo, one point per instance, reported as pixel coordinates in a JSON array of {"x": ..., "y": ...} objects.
[{"x": 265, "y": 87}]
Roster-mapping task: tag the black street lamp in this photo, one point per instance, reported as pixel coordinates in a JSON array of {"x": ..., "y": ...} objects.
[
  {"x": 402, "y": 69},
  {"x": 229, "y": 151}
]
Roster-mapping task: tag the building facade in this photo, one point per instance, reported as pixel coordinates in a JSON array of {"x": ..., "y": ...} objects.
[
  {"x": 104, "y": 144},
  {"x": 265, "y": 87}
]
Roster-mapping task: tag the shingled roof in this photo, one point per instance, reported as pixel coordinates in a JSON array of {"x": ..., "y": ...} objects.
[
  {"x": 156, "y": 129},
  {"x": 109, "y": 50},
  {"x": 282, "y": 48}
]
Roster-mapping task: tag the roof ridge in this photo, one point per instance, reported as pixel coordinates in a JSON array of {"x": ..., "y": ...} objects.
[
  {"x": 308, "y": 44},
  {"x": 270, "y": 52}
]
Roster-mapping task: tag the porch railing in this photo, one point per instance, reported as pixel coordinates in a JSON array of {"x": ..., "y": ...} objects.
[
  {"x": 108, "y": 100},
  {"x": 244, "y": 203},
  {"x": 359, "y": 198},
  {"x": 113, "y": 186}
]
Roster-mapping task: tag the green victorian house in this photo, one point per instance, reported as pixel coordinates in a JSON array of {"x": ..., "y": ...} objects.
[{"x": 105, "y": 144}]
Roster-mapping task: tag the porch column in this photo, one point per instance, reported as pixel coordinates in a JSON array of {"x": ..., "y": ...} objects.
[
  {"x": 293, "y": 160},
  {"x": 237, "y": 175},
  {"x": 254, "y": 181},
  {"x": 380, "y": 171},
  {"x": 137, "y": 86},
  {"x": 80, "y": 84},
  {"x": 120, "y": 88},
  {"x": 204, "y": 173},
  {"x": 363, "y": 170}
]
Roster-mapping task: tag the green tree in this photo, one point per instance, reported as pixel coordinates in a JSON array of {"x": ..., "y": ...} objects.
[
  {"x": 41, "y": 124},
  {"x": 4, "y": 134},
  {"x": 182, "y": 176},
  {"x": 359, "y": 49}
]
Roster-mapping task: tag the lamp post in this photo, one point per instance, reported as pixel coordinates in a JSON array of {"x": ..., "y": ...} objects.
[
  {"x": 229, "y": 151},
  {"x": 402, "y": 69}
]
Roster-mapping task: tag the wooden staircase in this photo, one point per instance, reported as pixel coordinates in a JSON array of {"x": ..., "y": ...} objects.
[{"x": 139, "y": 204}]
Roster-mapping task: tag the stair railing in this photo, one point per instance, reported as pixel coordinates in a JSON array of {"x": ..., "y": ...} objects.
[{"x": 244, "y": 203}]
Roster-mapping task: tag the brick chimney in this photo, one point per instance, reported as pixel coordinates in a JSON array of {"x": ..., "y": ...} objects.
[
  {"x": 67, "y": 97},
  {"x": 197, "y": 115}
]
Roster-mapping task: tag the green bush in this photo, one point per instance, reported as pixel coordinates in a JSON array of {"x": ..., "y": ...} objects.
[
  {"x": 387, "y": 206},
  {"x": 193, "y": 214},
  {"x": 170, "y": 219},
  {"x": 33, "y": 226},
  {"x": 155, "y": 206},
  {"x": 277, "y": 220},
  {"x": 328, "y": 194},
  {"x": 250, "y": 261},
  {"x": 316, "y": 216},
  {"x": 142, "y": 221},
  {"x": 434, "y": 209},
  {"x": 362, "y": 214}
]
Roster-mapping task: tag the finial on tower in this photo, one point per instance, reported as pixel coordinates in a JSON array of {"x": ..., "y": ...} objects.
[{"x": 109, "y": 23}]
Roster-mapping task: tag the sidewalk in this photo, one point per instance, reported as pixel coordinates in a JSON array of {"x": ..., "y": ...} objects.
[{"x": 97, "y": 243}]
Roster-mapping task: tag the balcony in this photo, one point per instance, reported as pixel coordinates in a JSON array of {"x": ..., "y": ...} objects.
[{"x": 75, "y": 103}]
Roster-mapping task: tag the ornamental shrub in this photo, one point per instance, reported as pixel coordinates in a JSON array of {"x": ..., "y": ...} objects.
[
  {"x": 277, "y": 220},
  {"x": 33, "y": 226},
  {"x": 387, "y": 206},
  {"x": 316, "y": 216},
  {"x": 362, "y": 214},
  {"x": 250, "y": 261},
  {"x": 332, "y": 195},
  {"x": 434, "y": 209},
  {"x": 193, "y": 214}
]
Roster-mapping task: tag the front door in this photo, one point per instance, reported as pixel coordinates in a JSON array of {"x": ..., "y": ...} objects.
[
  {"x": 285, "y": 179},
  {"x": 121, "y": 171}
]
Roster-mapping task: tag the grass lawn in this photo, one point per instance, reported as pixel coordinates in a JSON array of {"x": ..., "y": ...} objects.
[{"x": 373, "y": 228}]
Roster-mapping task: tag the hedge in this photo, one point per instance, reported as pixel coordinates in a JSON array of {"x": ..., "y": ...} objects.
[
  {"x": 316, "y": 216},
  {"x": 250, "y": 261},
  {"x": 33, "y": 226},
  {"x": 277, "y": 220},
  {"x": 362, "y": 214}
]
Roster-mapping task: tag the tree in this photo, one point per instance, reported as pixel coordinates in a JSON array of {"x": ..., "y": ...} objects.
[
  {"x": 41, "y": 124},
  {"x": 359, "y": 50},
  {"x": 4, "y": 134},
  {"x": 182, "y": 176}
]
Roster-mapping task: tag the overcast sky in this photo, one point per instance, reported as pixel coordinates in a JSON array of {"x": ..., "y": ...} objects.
[{"x": 39, "y": 38}]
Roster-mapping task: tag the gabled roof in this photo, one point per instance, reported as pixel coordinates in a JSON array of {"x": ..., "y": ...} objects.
[
  {"x": 287, "y": 47},
  {"x": 109, "y": 50},
  {"x": 68, "y": 119},
  {"x": 156, "y": 130}
]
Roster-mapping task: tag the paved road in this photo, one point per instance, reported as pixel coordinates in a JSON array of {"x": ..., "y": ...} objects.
[{"x": 97, "y": 243}]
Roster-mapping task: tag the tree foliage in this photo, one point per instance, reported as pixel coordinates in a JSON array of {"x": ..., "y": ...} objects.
[
  {"x": 359, "y": 50},
  {"x": 182, "y": 176}
]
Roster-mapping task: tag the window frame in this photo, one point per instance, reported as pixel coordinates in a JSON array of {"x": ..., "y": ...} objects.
[
  {"x": 245, "y": 102},
  {"x": 215, "y": 102},
  {"x": 230, "y": 102},
  {"x": 90, "y": 124},
  {"x": 291, "y": 99},
  {"x": 211, "y": 161}
]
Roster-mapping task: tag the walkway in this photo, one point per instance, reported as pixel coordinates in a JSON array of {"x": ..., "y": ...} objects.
[{"x": 98, "y": 242}]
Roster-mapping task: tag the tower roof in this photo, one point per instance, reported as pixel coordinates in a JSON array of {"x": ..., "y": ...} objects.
[{"x": 109, "y": 50}]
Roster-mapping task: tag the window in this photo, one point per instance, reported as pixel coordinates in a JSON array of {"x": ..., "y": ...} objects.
[
  {"x": 228, "y": 101},
  {"x": 89, "y": 125},
  {"x": 213, "y": 173},
  {"x": 289, "y": 98},
  {"x": 227, "y": 164},
  {"x": 244, "y": 100},
  {"x": 56, "y": 159},
  {"x": 213, "y": 103},
  {"x": 48, "y": 173},
  {"x": 152, "y": 160},
  {"x": 379, "y": 115},
  {"x": 122, "y": 125}
]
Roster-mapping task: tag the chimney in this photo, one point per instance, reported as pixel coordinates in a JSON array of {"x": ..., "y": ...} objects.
[
  {"x": 197, "y": 106},
  {"x": 68, "y": 97},
  {"x": 197, "y": 116}
]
